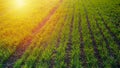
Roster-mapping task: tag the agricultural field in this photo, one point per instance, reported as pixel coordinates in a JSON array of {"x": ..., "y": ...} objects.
[{"x": 59, "y": 33}]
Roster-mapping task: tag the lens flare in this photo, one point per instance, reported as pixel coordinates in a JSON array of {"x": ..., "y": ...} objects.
[{"x": 20, "y": 3}]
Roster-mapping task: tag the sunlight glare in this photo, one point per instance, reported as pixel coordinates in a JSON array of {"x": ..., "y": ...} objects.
[{"x": 20, "y": 3}]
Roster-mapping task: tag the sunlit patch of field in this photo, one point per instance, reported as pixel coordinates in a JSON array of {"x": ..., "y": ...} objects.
[{"x": 18, "y": 18}]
